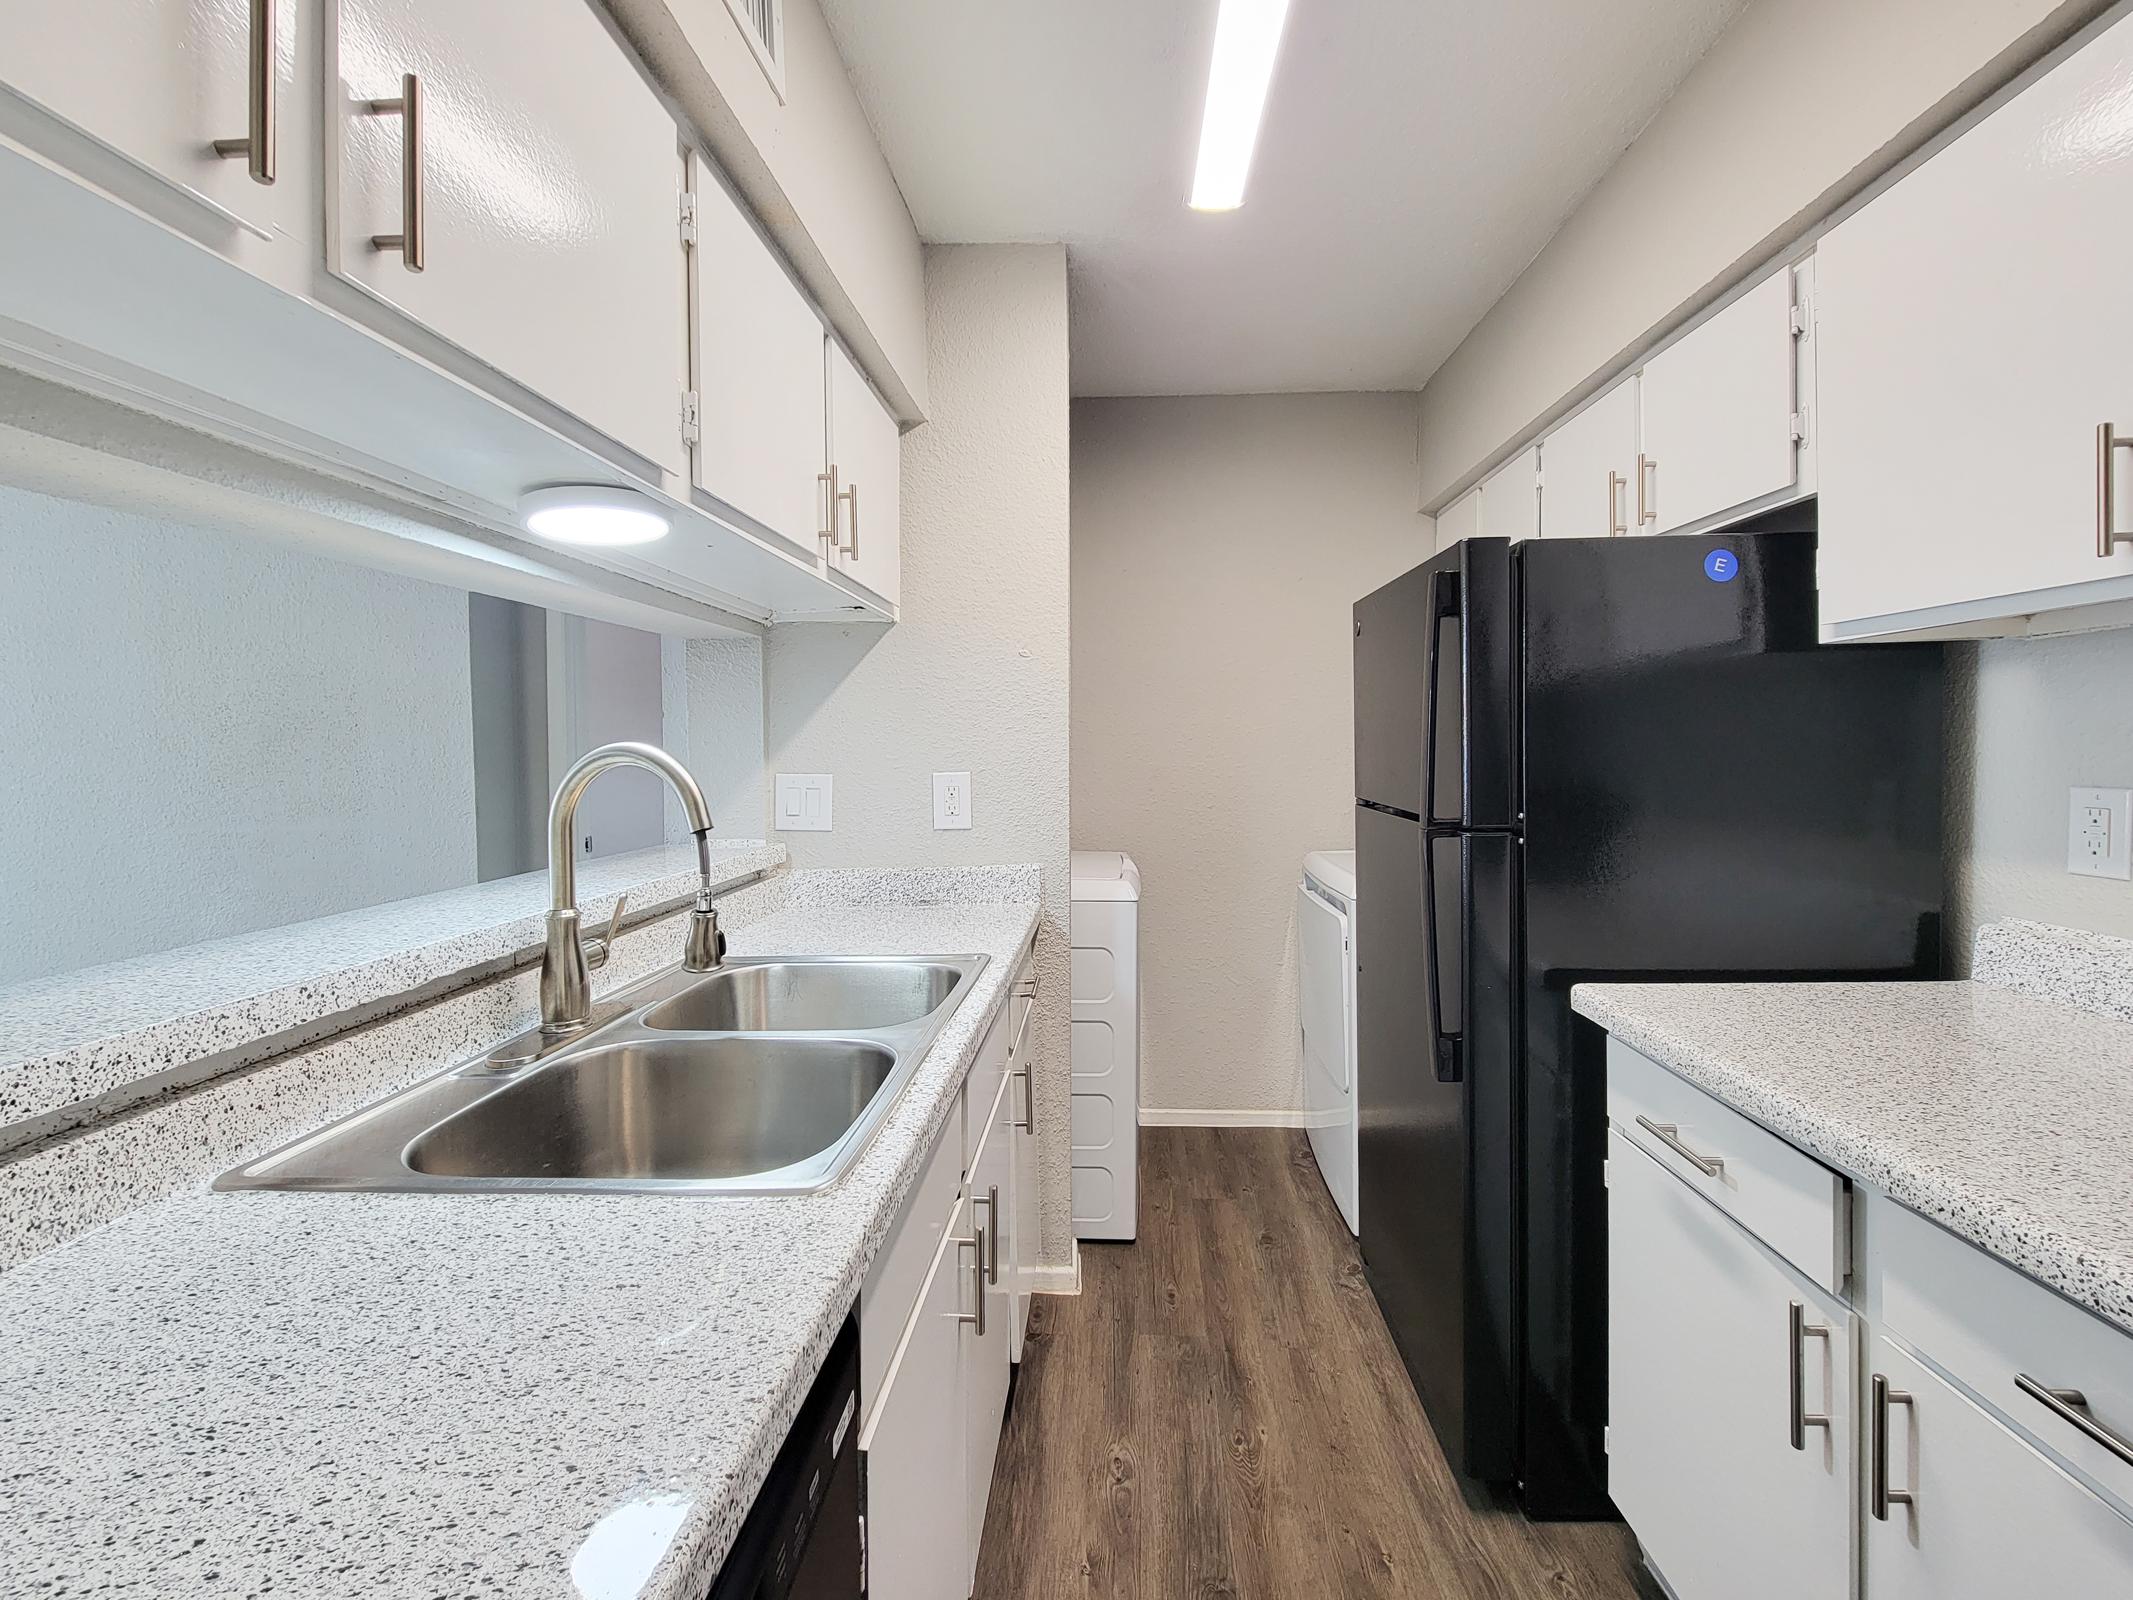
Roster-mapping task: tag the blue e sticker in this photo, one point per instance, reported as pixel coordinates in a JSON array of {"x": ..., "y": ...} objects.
[{"x": 1721, "y": 566}]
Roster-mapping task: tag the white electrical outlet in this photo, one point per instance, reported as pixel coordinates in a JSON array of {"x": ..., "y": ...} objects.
[
  {"x": 951, "y": 799},
  {"x": 2097, "y": 823},
  {"x": 803, "y": 802}
]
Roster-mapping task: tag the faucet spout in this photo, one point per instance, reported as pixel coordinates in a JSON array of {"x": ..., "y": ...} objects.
[{"x": 566, "y": 980}]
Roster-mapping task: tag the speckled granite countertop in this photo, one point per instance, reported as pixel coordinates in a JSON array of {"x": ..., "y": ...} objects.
[
  {"x": 80, "y": 1035},
  {"x": 2006, "y": 1118},
  {"x": 328, "y": 1395}
]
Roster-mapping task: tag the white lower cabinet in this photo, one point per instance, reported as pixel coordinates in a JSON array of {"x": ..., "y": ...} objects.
[
  {"x": 1730, "y": 1422},
  {"x": 1757, "y": 1422},
  {"x": 1973, "y": 1512},
  {"x": 914, "y": 1443},
  {"x": 934, "y": 1383}
]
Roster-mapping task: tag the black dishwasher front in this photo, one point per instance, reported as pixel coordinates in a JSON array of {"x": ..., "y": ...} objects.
[{"x": 802, "y": 1540}]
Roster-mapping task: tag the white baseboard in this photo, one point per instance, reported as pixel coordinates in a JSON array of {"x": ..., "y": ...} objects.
[
  {"x": 1182, "y": 1117},
  {"x": 1056, "y": 1280}
]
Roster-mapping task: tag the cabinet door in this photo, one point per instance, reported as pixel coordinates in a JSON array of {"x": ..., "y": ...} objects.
[
  {"x": 867, "y": 449},
  {"x": 1988, "y": 1516},
  {"x": 1701, "y": 1355},
  {"x": 159, "y": 82},
  {"x": 1971, "y": 342},
  {"x": 1510, "y": 498},
  {"x": 985, "y": 1356},
  {"x": 763, "y": 441},
  {"x": 1021, "y": 1114},
  {"x": 1460, "y": 520},
  {"x": 1586, "y": 468},
  {"x": 549, "y": 181},
  {"x": 1716, "y": 425},
  {"x": 914, "y": 1444}
]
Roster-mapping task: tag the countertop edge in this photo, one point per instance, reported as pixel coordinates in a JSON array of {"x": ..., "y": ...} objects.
[{"x": 2047, "y": 1256}]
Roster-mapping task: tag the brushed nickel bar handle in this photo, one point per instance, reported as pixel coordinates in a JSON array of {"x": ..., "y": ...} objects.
[
  {"x": 851, "y": 498},
  {"x": 1880, "y": 1495},
  {"x": 407, "y": 105},
  {"x": 1614, "y": 500},
  {"x": 256, "y": 148},
  {"x": 2108, "y": 533},
  {"x": 1800, "y": 1331},
  {"x": 1026, "y": 1123},
  {"x": 828, "y": 535},
  {"x": 977, "y": 1281},
  {"x": 1646, "y": 465},
  {"x": 2071, "y": 1405},
  {"x": 992, "y": 1233},
  {"x": 1669, "y": 1134}
]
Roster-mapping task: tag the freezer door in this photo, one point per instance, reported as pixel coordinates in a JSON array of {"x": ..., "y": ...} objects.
[{"x": 1433, "y": 709}]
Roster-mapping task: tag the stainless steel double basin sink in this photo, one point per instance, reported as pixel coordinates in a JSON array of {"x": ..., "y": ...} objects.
[{"x": 763, "y": 1077}]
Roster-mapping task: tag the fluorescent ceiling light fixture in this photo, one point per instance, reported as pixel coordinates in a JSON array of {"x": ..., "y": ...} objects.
[
  {"x": 1247, "y": 38},
  {"x": 592, "y": 514}
]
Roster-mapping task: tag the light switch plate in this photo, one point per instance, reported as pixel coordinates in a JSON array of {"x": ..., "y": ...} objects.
[
  {"x": 951, "y": 799},
  {"x": 803, "y": 802},
  {"x": 2097, "y": 826}
]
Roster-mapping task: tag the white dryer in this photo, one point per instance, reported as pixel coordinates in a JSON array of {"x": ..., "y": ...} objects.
[{"x": 1325, "y": 946}]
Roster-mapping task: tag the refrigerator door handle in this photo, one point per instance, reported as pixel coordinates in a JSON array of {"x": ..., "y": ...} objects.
[
  {"x": 1443, "y": 603},
  {"x": 1447, "y": 1047}
]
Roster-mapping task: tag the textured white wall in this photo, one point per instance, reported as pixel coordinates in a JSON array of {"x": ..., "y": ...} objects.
[
  {"x": 205, "y": 735},
  {"x": 725, "y": 733},
  {"x": 974, "y": 676},
  {"x": 2029, "y": 719},
  {"x": 1797, "y": 107},
  {"x": 1219, "y": 544}
]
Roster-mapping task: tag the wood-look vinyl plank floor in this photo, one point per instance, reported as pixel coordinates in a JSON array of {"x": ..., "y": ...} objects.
[{"x": 1221, "y": 1413}]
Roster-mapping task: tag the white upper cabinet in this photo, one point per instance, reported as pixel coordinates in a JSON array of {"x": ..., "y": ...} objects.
[
  {"x": 1973, "y": 341},
  {"x": 166, "y": 84},
  {"x": 1718, "y": 408},
  {"x": 1588, "y": 464},
  {"x": 1510, "y": 498},
  {"x": 1460, "y": 520},
  {"x": 509, "y": 149},
  {"x": 866, "y": 462},
  {"x": 763, "y": 413}
]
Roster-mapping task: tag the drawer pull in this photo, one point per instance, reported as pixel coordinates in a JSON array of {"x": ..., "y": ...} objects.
[
  {"x": 1881, "y": 1496},
  {"x": 1615, "y": 486},
  {"x": 1669, "y": 1134},
  {"x": 1647, "y": 472},
  {"x": 1027, "y": 1122},
  {"x": 2071, "y": 1405},
  {"x": 1800, "y": 1331}
]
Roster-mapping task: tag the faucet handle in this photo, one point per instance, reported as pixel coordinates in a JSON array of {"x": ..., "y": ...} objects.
[{"x": 598, "y": 947}]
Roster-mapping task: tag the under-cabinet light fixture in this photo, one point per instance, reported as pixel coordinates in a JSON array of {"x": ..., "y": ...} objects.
[
  {"x": 592, "y": 514},
  {"x": 1247, "y": 38}
]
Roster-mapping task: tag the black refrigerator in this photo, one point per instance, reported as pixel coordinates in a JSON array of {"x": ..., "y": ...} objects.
[{"x": 1591, "y": 759}]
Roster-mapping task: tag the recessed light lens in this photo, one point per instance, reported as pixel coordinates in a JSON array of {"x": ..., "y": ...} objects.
[
  {"x": 1247, "y": 37},
  {"x": 592, "y": 514}
]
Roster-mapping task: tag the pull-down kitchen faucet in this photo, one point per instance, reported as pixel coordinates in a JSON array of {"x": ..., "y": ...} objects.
[{"x": 568, "y": 959}]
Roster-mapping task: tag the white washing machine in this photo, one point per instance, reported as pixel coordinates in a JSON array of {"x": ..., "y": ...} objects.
[
  {"x": 1105, "y": 1013},
  {"x": 1325, "y": 949}
]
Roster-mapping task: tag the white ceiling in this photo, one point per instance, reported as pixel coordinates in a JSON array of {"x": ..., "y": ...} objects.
[{"x": 1416, "y": 155}]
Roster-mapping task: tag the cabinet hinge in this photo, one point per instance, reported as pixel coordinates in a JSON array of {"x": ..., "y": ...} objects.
[
  {"x": 1799, "y": 425},
  {"x": 1799, "y": 320},
  {"x": 688, "y": 218},
  {"x": 691, "y": 418}
]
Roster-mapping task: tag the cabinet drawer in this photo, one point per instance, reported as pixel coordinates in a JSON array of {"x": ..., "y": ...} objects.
[
  {"x": 1783, "y": 1196},
  {"x": 1987, "y": 1325},
  {"x": 893, "y": 1282}
]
